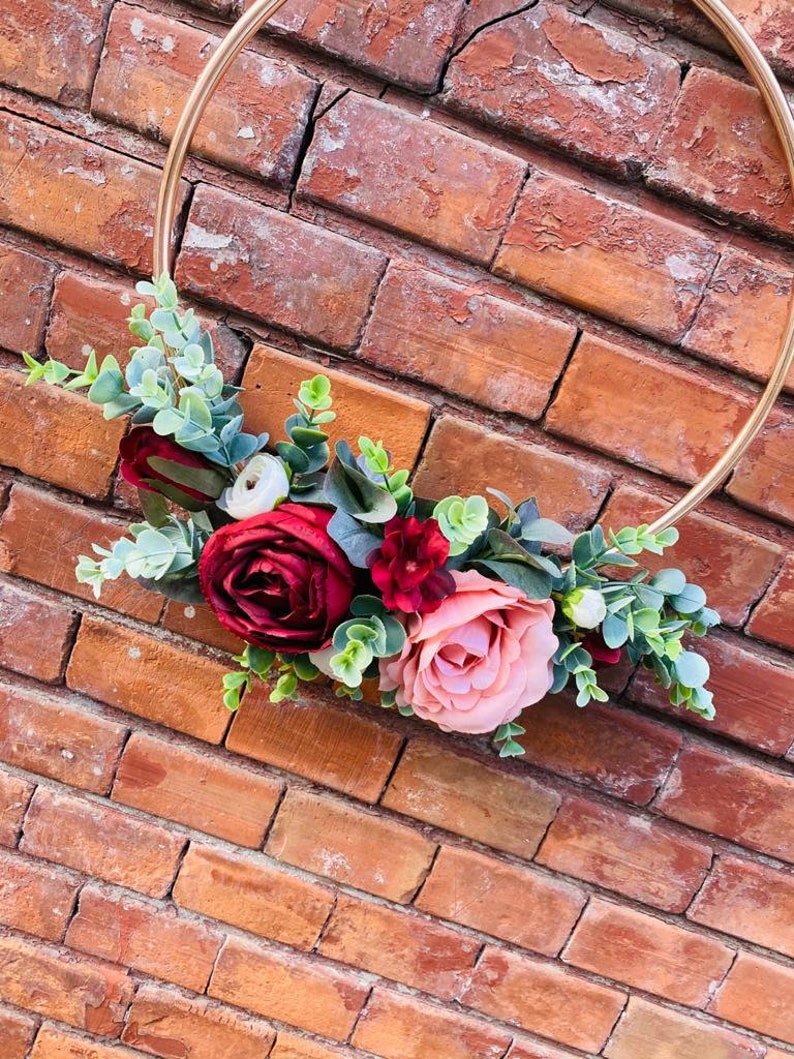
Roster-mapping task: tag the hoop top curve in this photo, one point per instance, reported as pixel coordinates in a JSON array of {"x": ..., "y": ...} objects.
[{"x": 718, "y": 14}]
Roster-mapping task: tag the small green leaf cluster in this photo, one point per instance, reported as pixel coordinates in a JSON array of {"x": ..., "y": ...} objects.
[
  {"x": 506, "y": 741},
  {"x": 376, "y": 462},
  {"x": 255, "y": 662},
  {"x": 371, "y": 633},
  {"x": 306, "y": 452},
  {"x": 461, "y": 521}
]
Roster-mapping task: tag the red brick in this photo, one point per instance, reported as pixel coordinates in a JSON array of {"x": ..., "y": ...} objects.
[
  {"x": 753, "y": 694},
  {"x": 661, "y": 1033},
  {"x": 53, "y": 51},
  {"x": 332, "y": 838},
  {"x": 403, "y": 1027},
  {"x": 201, "y": 791},
  {"x": 277, "y": 268},
  {"x": 53, "y": 982},
  {"x": 101, "y": 841},
  {"x": 741, "y": 320},
  {"x": 299, "y": 990},
  {"x": 256, "y": 120},
  {"x": 254, "y": 894},
  {"x": 520, "y": 906},
  {"x": 748, "y": 900},
  {"x": 41, "y": 537},
  {"x": 466, "y": 341},
  {"x": 25, "y": 288},
  {"x": 720, "y": 148},
  {"x": 601, "y": 254},
  {"x": 610, "y": 749},
  {"x": 289, "y": 1046},
  {"x": 198, "y": 622},
  {"x": 764, "y": 479},
  {"x": 732, "y": 797},
  {"x": 317, "y": 739},
  {"x": 757, "y": 994},
  {"x": 272, "y": 380},
  {"x": 648, "y": 953},
  {"x": 52, "y": 1043},
  {"x": 15, "y": 795},
  {"x": 102, "y": 203},
  {"x": 523, "y": 1049},
  {"x": 35, "y": 897},
  {"x": 544, "y": 998},
  {"x": 145, "y": 937},
  {"x": 16, "y": 1033},
  {"x": 371, "y": 160},
  {"x": 42, "y": 419},
  {"x": 89, "y": 313},
  {"x": 464, "y": 458},
  {"x": 635, "y": 855},
  {"x": 398, "y": 945},
  {"x": 584, "y": 89},
  {"x": 35, "y": 632},
  {"x": 701, "y": 415},
  {"x": 773, "y": 618},
  {"x": 406, "y": 45},
  {"x": 166, "y": 1023},
  {"x": 143, "y": 666}
]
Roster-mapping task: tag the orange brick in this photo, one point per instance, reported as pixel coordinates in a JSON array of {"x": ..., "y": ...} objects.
[
  {"x": 707, "y": 549},
  {"x": 523, "y": 1049},
  {"x": 272, "y": 380},
  {"x": 16, "y": 1033},
  {"x": 25, "y": 288},
  {"x": 289, "y": 1046},
  {"x": 98, "y": 840},
  {"x": 613, "y": 259},
  {"x": 647, "y": 953},
  {"x": 403, "y": 1027},
  {"x": 773, "y": 618},
  {"x": 164, "y": 1022},
  {"x": 41, "y": 537},
  {"x": 638, "y": 856},
  {"x": 102, "y": 204},
  {"x": 56, "y": 738},
  {"x": 749, "y": 900},
  {"x": 466, "y": 341},
  {"x": 254, "y": 894},
  {"x": 463, "y": 458},
  {"x": 704, "y": 415},
  {"x": 35, "y": 632},
  {"x": 721, "y": 149},
  {"x": 733, "y": 797},
  {"x": 764, "y": 479},
  {"x": 15, "y": 794},
  {"x": 35, "y": 897},
  {"x": 194, "y": 788},
  {"x": 277, "y": 268},
  {"x": 315, "y": 738},
  {"x": 399, "y": 945},
  {"x": 53, "y": 982},
  {"x": 582, "y": 88},
  {"x": 757, "y": 994},
  {"x": 334, "y": 839},
  {"x": 198, "y": 622},
  {"x": 145, "y": 937},
  {"x": 661, "y": 1033},
  {"x": 52, "y": 1043},
  {"x": 545, "y": 999},
  {"x": 524, "y": 907},
  {"x": 298, "y": 990},
  {"x": 143, "y": 667},
  {"x": 41, "y": 419}
]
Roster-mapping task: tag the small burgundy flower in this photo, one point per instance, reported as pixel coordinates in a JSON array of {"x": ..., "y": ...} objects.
[
  {"x": 142, "y": 444},
  {"x": 408, "y": 568},
  {"x": 603, "y": 656}
]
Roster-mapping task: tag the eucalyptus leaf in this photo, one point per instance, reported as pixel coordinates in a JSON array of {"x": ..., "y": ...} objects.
[
  {"x": 351, "y": 491},
  {"x": 535, "y": 584},
  {"x": 204, "y": 480},
  {"x": 355, "y": 540}
]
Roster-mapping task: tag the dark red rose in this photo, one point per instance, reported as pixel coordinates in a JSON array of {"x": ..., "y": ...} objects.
[
  {"x": 142, "y": 445},
  {"x": 277, "y": 579},
  {"x": 602, "y": 655},
  {"x": 408, "y": 566}
]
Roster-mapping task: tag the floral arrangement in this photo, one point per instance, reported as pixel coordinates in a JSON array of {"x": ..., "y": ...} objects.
[{"x": 464, "y": 610}]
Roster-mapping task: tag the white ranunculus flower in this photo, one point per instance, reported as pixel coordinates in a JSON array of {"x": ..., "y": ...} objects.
[
  {"x": 585, "y": 607},
  {"x": 261, "y": 484}
]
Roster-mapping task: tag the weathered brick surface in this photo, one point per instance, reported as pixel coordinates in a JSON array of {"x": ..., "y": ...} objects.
[
  {"x": 413, "y": 175},
  {"x": 52, "y": 1043},
  {"x": 35, "y": 632},
  {"x": 25, "y": 286},
  {"x": 35, "y": 897},
  {"x": 773, "y": 618},
  {"x": 16, "y": 1032},
  {"x": 764, "y": 480},
  {"x": 659, "y": 1032},
  {"x": 15, "y": 794},
  {"x": 198, "y": 622},
  {"x": 757, "y": 994},
  {"x": 291, "y": 1046}
]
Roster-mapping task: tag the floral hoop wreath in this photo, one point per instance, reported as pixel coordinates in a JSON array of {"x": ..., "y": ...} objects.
[{"x": 464, "y": 610}]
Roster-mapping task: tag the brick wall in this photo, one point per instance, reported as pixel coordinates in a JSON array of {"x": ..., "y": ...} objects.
[{"x": 560, "y": 233}]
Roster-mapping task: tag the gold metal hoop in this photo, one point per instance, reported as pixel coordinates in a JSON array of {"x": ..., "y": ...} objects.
[{"x": 717, "y": 13}]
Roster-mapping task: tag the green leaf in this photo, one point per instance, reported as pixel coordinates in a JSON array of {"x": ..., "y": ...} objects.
[
  {"x": 535, "y": 584},
  {"x": 355, "y": 540},
  {"x": 614, "y": 631},
  {"x": 546, "y": 531},
  {"x": 109, "y": 385},
  {"x": 350, "y": 490},
  {"x": 305, "y": 438},
  {"x": 203, "y": 479},
  {"x": 691, "y": 600},
  {"x": 671, "y": 582},
  {"x": 691, "y": 670},
  {"x": 154, "y": 507}
]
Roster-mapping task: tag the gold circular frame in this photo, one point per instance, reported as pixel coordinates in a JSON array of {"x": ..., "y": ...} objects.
[{"x": 717, "y": 13}]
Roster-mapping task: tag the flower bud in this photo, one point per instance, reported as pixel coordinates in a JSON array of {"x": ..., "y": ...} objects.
[
  {"x": 585, "y": 607},
  {"x": 260, "y": 486}
]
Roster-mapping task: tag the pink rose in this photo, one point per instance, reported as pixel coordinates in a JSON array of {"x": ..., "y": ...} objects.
[{"x": 478, "y": 660}]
